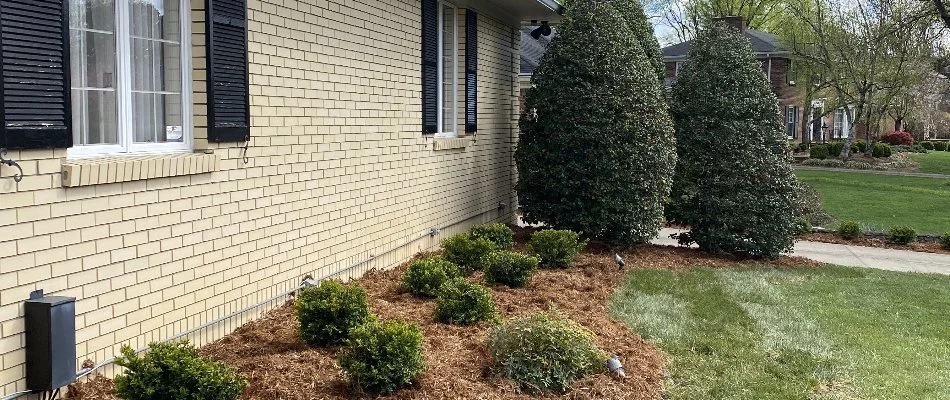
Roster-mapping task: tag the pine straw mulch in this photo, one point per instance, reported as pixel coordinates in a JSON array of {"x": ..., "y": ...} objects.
[
  {"x": 278, "y": 365},
  {"x": 866, "y": 241}
]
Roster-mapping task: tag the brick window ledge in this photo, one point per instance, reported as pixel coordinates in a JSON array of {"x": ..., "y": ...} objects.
[
  {"x": 450, "y": 143},
  {"x": 97, "y": 171}
]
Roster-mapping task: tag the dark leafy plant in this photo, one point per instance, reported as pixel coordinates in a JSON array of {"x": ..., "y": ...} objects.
[
  {"x": 940, "y": 146},
  {"x": 556, "y": 248},
  {"x": 898, "y": 138},
  {"x": 881, "y": 150},
  {"x": 902, "y": 234},
  {"x": 499, "y": 234},
  {"x": 801, "y": 147},
  {"x": 509, "y": 268},
  {"x": 818, "y": 151},
  {"x": 927, "y": 145},
  {"x": 544, "y": 352},
  {"x": 175, "y": 370},
  {"x": 803, "y": 226},
  {"x": 383, "y": 356},
  {"x": 424, "y": 277},
  {"x": 638, "y": 22},
  {"x": 595, "y": 154},
  {"x": 734, "y": 186},
  {"x": 945, "y": 240},
  {"x": 835, "y": 148},
  {"x": 329, "y": 312},
  {"x": 860, "y": 146},
  {"x": 849, "y": 229},
  {"x": 466, "y": 252},
  {"x": 461, "y": 302}
]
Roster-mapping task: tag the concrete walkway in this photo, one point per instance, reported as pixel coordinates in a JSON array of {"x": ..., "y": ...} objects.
[
  {"x": 863, "y": 171},
  {"x": 856, "y": 256}
]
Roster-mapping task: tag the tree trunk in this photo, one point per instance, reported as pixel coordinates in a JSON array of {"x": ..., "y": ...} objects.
[{"x": 898, "y": 124}]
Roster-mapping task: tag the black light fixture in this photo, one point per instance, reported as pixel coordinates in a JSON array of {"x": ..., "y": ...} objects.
[{"x": 543, "y": 30}]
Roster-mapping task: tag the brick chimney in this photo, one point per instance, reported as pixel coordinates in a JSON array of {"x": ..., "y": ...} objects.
[{"x": 733, "y": 21}]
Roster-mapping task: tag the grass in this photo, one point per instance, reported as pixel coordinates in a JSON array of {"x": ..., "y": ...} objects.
[
  {"x": 934, "y": 162},
  {"x": 881, "y": 201},
  {"x": 828, "y": 333}
]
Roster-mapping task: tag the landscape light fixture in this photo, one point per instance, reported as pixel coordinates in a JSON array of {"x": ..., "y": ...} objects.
[{"x": 543, "y": 30}]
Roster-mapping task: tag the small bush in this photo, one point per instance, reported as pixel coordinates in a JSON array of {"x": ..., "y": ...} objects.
[
  {"x": 509, "y": 268},
  {"x": 556, "y": 248},
  {"x": 902, "y": 234},
  {"x": 945, "y": 240},
  {"x": 807, "y": 205},
  {"x": 898, "y": 138},
  {"x": 834, "y": 149},
  {"x": 818, "y": 151},
  {"x": 328, "y": 312},
  {"x": 927, "y": 145},
  {"x": 860, "y": 145},
  {"x": 940, "y": 146},
  {"x": 849, "y": 229},
  {"x": 466, "y": 252},
  {"x": 174, "y": 370},
  {"x": 881, "y": 150},
  {"x": 802, "y": 226},
  {"x": 544, "y": 352},
  {"x": 829, "y": 163},
  {"x": 801, "y": 147},
  {"x": 383, "y": 356},
  {"x": 425, "y": 277},
  {"x": 461, "y": 302},
  {"x": 499, "y": 234}
]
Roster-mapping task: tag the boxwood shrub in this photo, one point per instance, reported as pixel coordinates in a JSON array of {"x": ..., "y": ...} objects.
[
  {"x": 556, "y": 248},
  {"x": 902, "y": 234},
  {"x": 174, "y": 370},
  {"x": 818, "y": 151},
  {"x": 383, "y": 356},
  {"x": 940, "y": 146},
  {"x": 461, "y": 302},
  {"x": 499, "y": 234},
  {"x": 881, "y": 150},
  {"x": 466, "y": 252},
  {"x": 509, "y": 268},
  {"x": 849, "y": 229},
  {"x": 927, "y": 145},
  {"x": 945, "y": 240},
  {"x": 424, "y": 277},
  {"x": 327, "y": 313},
  {"x": 544, "y": 352}
]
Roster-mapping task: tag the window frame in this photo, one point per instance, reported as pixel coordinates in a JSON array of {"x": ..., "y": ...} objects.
[
  {"x": 791, "y": 121},
  {"x": 838, "y": 127},
  {"x": 440, "y": 93},
  {"x": 126, "y": 145}
]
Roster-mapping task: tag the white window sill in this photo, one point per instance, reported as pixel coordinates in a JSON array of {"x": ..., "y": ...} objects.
[
  {"x": 450, "y": 143},
  {"x": 97, "y": 171}
]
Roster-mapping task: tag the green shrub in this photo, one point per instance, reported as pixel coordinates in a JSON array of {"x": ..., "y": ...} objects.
[
  {"x": 509, "y": 268},
  {"x": 608, "y": 173},
  {"x": 835, "y": 148},
  {"x": 741, "y": 200},
  {"x": 849, "y": 229},
  {"x": 801, "y": 147},
  {"x": 466, "y": 252},
  {"x": 860, "y": 146},
  {"x": 808, "y": 206},
  {"x": 945, "y": 240},
  {"x": 424, "y": 277},
  {"x": 499, "y": 234},
  {"x": 818, "y": 151},
  {"x": 327, "y": 313},
  {"x": 940, "y": 146},
  {"x": 544, "y": 352},
  {"x": 556, "y": 248},
  {"x": 803, "y": 226},
  {"x": 901, "y": 234},
  {"x": 383, "y": 356},
  {"x": 881, "y": 150},
  {"x": 174, "y": 370},
  {"x": 927, "y": 145},
  {"x": 461, "y": 302}
]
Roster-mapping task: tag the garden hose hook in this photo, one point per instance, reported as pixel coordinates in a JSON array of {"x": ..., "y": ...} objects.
[{"x": 11, "y": 163}]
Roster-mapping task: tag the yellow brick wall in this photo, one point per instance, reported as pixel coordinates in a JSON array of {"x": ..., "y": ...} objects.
[{"x": 339, "y": 176}]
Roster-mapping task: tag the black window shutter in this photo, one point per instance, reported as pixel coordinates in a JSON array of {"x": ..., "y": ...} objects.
[
  {"x": 229, "y": 110},
  {"x": 34, "y": 89},
  {"x": 430, "y": 66},
  {"x": 471, "y": 71}
]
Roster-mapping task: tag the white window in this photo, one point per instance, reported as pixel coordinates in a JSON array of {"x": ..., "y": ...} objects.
[
  {"x": 791, "y": 121},
  {"x": 130, "y": 76},
  {"x": 448, "y": 70},
  {"x": 839, "y": 123},
  {"x": 677, "y": 67}
]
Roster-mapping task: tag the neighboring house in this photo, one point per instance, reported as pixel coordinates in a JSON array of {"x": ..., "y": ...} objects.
[{"x": 181, "y": 163}]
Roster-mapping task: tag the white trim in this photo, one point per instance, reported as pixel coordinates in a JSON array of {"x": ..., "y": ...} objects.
[
  {"x": 123, "y": 88},
  {"x": 440, "y": 97}
]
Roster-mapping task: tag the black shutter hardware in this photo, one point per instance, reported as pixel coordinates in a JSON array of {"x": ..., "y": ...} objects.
[
  {"x": 430, "y": 66},
  {"x": 471, "y": 71},
  {"x": 35, "y": 87},
  {"x": 229, "y": 113}
]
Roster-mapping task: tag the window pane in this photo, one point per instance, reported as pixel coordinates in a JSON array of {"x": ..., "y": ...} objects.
[
  {"x": 92, "y": 43},
  {"x": 156, "y": 66},
  {"x": 156, "y": 19},
  {"x": 157, "y": 117},
  {"x": 156, "y": 71},
  {"x": 449, "y": 41}
]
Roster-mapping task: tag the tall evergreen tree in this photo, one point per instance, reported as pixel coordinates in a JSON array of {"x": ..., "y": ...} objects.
[
  {"x": 596, "y": 151},
  {"x": 636, "y": 18},
  {"x": 734, "y": 185}
]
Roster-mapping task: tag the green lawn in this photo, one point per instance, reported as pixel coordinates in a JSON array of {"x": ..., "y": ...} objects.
[
  {"x": 829, "y": 333},
  {"x": 881, "y": 201},
  {"x": 934, "y": 162}
]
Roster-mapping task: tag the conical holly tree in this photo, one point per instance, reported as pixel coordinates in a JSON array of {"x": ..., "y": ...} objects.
[
  {"x": 734, "y": 185},
  {"x": 636, "y": 18},
  {"x": 596, "y": 151}
]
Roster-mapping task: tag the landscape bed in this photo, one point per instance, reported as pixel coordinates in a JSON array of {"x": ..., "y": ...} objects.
[
  {"x": 920, "y": 246},
  {"x": 279, "y": 365}
]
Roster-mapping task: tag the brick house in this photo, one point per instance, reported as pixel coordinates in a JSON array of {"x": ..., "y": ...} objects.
[{"x": 176, "y": 161}]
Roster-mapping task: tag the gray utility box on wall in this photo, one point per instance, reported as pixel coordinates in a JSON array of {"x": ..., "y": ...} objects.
[{"x": 50, "y": 342}]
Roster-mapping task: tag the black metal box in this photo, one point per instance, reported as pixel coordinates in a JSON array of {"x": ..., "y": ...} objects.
[{"x": 50, "y": 342}]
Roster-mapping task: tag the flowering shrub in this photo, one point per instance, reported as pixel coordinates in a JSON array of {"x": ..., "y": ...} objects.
[{"x": 898, "y": 137}]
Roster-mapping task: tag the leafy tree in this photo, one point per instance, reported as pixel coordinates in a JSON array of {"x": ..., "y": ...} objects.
[
  {"x": 636, "y": 18},
  {"x": 734, "y": 185},
  {"x": 596, "y": 151}
]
